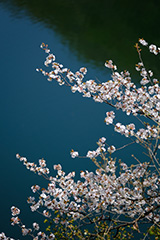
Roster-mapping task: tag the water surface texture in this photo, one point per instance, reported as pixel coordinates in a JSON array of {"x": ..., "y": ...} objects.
[{"x": 41, "y": 119}]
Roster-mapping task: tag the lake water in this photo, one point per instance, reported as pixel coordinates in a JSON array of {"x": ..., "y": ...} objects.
[{"x": 39, "y": 118}]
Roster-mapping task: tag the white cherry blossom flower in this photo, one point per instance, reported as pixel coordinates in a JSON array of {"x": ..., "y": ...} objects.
[
  {"x": 35, "y": 188},
  {"x": 83, "y": 70},
  {"x": 153, "y": 49},
  {"x": 57, "y": 167},
  {"x": 143, "y": 42},
  {"x": 36, "y": 226},
  {"x": 74, "y": 154},
  {"x": 102, "y": 140},
  {"x": 15, "y": 220},
  {"x": 15, "y": 211},
  {"x": 91, "y": 154},
  {"x": 109, "y": 64},
  {"x": 46, "y": 213},
  {"x": 111, "y": 149},
  {"x": 109, "y": 118}
]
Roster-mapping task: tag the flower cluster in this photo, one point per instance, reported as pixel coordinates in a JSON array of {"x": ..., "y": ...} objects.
[
  {"x": 41, "y": 169},
  {"x": 152, "y": 47},
  {"x": 4, "y": 237},
  {"x": 27, "y": 231},
  {"x": 133, "y": 193},
  {"x": 119, "y": 92}
]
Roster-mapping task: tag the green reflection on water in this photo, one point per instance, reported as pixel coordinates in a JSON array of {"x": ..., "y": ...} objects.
[{"x": 97, "y": 30}]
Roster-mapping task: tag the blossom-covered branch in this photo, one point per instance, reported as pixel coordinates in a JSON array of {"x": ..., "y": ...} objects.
[{"x": 117, "y": 199}]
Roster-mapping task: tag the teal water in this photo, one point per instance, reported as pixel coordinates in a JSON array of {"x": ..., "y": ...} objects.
[{"x": 39, "y": 118}]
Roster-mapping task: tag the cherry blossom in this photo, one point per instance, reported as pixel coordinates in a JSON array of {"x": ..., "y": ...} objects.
[
  {"x": 74, "y": 154},
  {"x": 15, "y": 211},
  {"x": 110, "y": 117},
  {"x": 111, "y": 149},
  {"x": 4, "y": 237},
  {"x": 116, "y": 195},
  {"x": 143, "y": 42}
]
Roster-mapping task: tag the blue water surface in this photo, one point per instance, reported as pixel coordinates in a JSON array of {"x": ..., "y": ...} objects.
[{"x": 39, "y": 118}]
